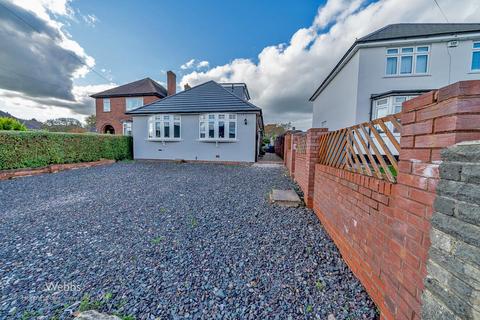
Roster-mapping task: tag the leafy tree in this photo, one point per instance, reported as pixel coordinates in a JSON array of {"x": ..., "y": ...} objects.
[
  {"x": 91, "y": 122},
  {"x": 276, "y": 129},
  {"x": 11, "y": 124},
  {"x": 63, "y": 125}
]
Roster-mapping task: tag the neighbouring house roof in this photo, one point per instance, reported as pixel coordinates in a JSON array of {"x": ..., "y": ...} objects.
[
  {"x": 239, "y": 88},
  {"x": 206, "y": 97},
  {"x": 400, "y": 31},
  {"x": 142, "y": 87}
]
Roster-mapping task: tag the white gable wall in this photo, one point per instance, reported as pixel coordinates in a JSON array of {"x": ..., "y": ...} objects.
[
  {"x": 336, "y": 103},
  {"x": 372, "y": 79},
  {"x": 346, "y": 100}
]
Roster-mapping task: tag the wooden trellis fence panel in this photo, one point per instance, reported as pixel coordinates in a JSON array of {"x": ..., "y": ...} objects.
[{"x": 369, "y": 148}]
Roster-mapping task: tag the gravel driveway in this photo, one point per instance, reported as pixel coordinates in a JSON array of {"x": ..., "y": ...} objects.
[{"x": 168, "y": 241}]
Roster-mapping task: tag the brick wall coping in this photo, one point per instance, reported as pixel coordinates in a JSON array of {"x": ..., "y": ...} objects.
[{"x": 24, "y": 172}]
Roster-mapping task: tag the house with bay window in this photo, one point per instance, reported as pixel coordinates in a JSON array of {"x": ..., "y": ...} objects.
[
  {"x": 393, "y": 64},
  {"x": 210, "y": 122}
]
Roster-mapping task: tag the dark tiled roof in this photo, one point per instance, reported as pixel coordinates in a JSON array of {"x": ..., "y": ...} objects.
[
  {"x": 206, "y": 97},
  {"x": 413, "y": 30},
  {"x": 402, "y": 31},
  {"x": 137, "y": 88}
]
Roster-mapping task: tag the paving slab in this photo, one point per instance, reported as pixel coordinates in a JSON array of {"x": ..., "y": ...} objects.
[{"x": 286, "y": 198}]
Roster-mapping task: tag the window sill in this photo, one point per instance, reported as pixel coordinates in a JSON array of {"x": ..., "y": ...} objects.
[
  {"x": 164, "y": 139},
  {"x": 407, "y": 75},
  {"x": 474, "y": 72},
  {"x": 218, "y": 140}
]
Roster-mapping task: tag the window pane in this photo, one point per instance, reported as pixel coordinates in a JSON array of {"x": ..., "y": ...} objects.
[
  {"x": 221, "y": 116},
  {"x": 166, "y": 117},
  {"x": 133, "y": 103},
  {"x": 476, "y": 60},
  {"x": 158, "y": 130},
  {"x": 422, "y": 62},
  {"x": 221, "y": 129},
  {"x": 392, "y": 65},
  {"x": 211, "y": 116},
  {"x": 106, "y": 105},
  {"x": 476, "y": 45},
  {"x": 407, "y": 50},
  {"x": 202, "y": 129},
  {"x": 398, "y": 108},
  {"x": 381, "y": 112},
  {"x": 232, "y": 116},
  {"x": 127, "y": 128},
  {"x": 176, "y": 118},
  {"x": 382, "y": 102},
  {"x": 211, "y": 129},
  {"x": 400, "y": 99},
  {"x": 406, "y": 65},
  {"x": 166, "y": 127},
  {"x": 392, "y": 51},
  {"x": 231, "y": 130},
  {"x": 422, "y": 49},
  {"x": 150, "y": 129},
  {"x": 176, "y": 130}
]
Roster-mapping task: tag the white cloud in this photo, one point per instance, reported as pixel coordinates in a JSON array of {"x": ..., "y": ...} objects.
[
  {"x": 203, "y": 64},
  {"x": 188, "y": 65},
  {"x": 90, "y": 19},
  {"x": 192, "y": 64},
  {"x": 43, "y": 108},
  {"x": 40, "y": 61},
  {"x": 287, "y": 74}
]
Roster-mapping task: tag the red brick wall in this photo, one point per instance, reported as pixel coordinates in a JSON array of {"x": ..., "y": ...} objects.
[
  {"x": 382, "y": 229},
  {"x": 289, "y": 155},
  {"x": 306, "y": 156},
  {"x": 116, "y": 114}
]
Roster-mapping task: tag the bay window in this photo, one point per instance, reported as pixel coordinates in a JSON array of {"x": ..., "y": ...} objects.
[
  {"x": 388, "y": 105},
  {"x": 164, "y": 127},
  {"x": 133, "y": 103},
  {"x": 218, "y": 126},
  {"x": 407, "y": 61},
  {"x": 476, "y": 56}
]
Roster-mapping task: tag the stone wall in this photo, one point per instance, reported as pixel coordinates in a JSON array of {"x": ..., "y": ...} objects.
[{"x": 452, "y": 285}]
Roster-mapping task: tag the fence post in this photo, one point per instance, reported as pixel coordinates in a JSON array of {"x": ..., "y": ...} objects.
[{"x": 430, "y": 123}]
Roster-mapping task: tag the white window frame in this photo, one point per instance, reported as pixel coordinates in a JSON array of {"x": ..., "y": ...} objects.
[
  {"x": 392, "y": 102},
  {"x": 414, "y": 54},
  {"x": 105, "y": 109},
  {"x": 216, "y": 118},
  {"x": 126, "y": 125},
  {"x": 160, "y": 121},
  {"x": 136, "y": 105},
  {"x": 473, "y": 52}
]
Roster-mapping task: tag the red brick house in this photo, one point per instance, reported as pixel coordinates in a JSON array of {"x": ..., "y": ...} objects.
[{"x": 111, "y": 105}]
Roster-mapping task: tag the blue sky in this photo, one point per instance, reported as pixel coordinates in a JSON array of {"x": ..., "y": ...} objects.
[
  {"x": 281, "y": 49},
  {"x": 136, "y": 39}
]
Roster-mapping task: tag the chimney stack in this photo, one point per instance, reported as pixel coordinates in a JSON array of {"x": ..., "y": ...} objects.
[
  {"x": 186, "y": 86},
  {"x": 171, "y": 83}
]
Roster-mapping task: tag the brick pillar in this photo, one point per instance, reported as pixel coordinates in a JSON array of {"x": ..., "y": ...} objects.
[
  {"x": 287, "y": 148},
  {"x": 294, "y": 142},
  {"x": 311, "y": 152},
  {"x": 430, "y": 123}
]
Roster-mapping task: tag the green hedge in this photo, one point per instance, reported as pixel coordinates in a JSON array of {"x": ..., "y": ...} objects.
[{"x": 31, "y": 149}]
